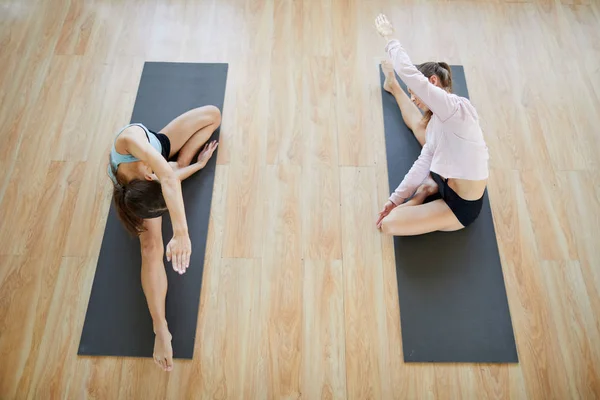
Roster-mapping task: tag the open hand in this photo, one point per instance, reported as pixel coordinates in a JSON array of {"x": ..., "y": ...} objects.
[
  {"x": 207, "y": 153},
  {"x": 387, "y": 208},
  {"x": 384, "y": 26},
  {"x": 179, "y": 250}
]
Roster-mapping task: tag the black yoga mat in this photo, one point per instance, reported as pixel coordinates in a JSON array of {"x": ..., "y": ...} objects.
[
  {"x": 118, "y": 322},
  {"x": 453, "y": 305}
]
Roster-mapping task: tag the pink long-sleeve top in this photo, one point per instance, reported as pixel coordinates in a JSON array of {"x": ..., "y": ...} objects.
[{"x": 454, "y": 145}]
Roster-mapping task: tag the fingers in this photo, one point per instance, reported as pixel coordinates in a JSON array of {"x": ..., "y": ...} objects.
[
  {"x": 213, "y": 147},
  {"x": 160, "y": 362},
  {"x": 186, "y": 264},
  {"x": 380, "y": 218},
  {"x": 168, "y": 252},
  {"x": 177, "y": 263},
  {"x": 169, "y": 363}
]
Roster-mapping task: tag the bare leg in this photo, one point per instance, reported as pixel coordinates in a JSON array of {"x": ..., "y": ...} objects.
[
  {"x": 418, "y": 219},
  {"x": 415, "y": 218},
  {"x": 154, "y": 284},
  {"x": 190, "y": 131},
  {"x": 410, "y": 112}
]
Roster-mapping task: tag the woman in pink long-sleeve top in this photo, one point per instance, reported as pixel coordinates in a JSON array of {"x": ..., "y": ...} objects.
[{"x": 448, "y": 180}]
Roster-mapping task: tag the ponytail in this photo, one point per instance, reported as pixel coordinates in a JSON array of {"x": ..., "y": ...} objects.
[
  {"x": 444, "y": 72},
  {"x": 133, "y": 224}
]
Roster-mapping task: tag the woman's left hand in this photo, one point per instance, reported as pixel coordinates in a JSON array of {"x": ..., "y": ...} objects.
[
  {"x": 179, "y": 251},
  {"x": 384, "y": 26},
  {"x": 207, "y": 153}
]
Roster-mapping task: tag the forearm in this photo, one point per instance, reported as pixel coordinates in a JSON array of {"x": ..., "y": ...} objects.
[
  {"x": 171, "y": 188},
  {"x": 415, "y": 176},
  {"x": 186, "y": 172},
  {"x": 405, "y": 68}
]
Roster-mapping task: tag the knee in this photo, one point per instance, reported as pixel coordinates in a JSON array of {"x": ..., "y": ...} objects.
[
  {"x": 386, "y": 226},
  {"x": 214, "y": 114},
  {"x": 152, "y": 249}
]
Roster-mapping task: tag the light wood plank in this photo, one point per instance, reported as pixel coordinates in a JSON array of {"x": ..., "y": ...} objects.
[
  {"x": 323, "y": 333},
  {"x": 320, "y": 173},
  {"x": 54, "y": 367},
  {"x": 285, "y": 128},
  {"x": 282, "y": 279},
  {"x": 575, "y": 323},
  {"x": 364, "y": 310}
]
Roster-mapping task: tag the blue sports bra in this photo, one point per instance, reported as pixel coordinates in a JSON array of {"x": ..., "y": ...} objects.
[{"x": 118, "y": 158}]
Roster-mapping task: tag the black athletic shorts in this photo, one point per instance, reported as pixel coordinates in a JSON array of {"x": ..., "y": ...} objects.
[
  {"x": 466, "y": 211},
  {"x": 165, "y": 143}
]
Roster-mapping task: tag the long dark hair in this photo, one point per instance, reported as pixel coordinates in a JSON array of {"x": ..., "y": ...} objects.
[
  {"x": 444, "y": 74},
  {"x": 136, "y": 201}
]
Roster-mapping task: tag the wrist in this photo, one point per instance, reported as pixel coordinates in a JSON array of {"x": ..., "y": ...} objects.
[{"x": 180, "y": 231}]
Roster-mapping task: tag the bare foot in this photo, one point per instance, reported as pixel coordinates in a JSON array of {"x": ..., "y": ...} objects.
[
  {"x": 391, "y": 83},
  {"x": 163, "y": 352},
  {"x": 427, "y": 188}
]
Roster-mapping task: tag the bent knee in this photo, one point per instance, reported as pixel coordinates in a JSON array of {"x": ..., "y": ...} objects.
[
  {"x": 214, "y": 114},
  {"x": 386, "y": 226}
]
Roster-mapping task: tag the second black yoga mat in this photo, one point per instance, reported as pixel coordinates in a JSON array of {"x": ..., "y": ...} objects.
[
  {"x": 453, "y": 305},
  {"x": 118, "y": 322}
]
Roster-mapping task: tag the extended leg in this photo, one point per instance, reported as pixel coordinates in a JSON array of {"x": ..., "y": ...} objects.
[
  {"x": 410, "y": 113},
  {"x": 154, "y": 284}
]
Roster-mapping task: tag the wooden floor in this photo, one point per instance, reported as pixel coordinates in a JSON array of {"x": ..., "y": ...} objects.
[{"x": 299, "y": 296}]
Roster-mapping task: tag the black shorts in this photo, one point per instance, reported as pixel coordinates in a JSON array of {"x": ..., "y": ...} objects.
[
  {"x": 466, "y": 211},
  {"x": 165, "y": 144}
]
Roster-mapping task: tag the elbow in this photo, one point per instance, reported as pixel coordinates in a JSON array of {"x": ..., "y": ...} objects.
[{"x": 170, "y": 182}]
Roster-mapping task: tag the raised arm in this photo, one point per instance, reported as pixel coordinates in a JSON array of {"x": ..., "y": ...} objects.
[
  {"x": 415, "y": 176},
  {"x": 437, "y": 99}
]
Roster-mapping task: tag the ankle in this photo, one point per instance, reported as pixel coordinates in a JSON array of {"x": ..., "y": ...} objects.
[
  {"x": 395, "y": 86},
  {"x": 161, "y": 328}
]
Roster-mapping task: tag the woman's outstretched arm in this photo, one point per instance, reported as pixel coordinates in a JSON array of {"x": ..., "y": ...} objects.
[
  {"x": 179, "y": 248},
  {"x": 437, "y": 99}
]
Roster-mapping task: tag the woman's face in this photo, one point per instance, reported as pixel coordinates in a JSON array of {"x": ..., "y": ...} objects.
[{"x": 417, "y": 101}]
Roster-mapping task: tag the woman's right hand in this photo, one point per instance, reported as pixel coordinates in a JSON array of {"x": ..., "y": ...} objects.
[
  {"x": 387, "y": 208},
  {"x": 384, "y": 26},
  {"x": 179, "y": 251}
]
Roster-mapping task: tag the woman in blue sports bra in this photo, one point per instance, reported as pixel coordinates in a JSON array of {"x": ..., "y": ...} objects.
[{"x": 146, "y": 185}]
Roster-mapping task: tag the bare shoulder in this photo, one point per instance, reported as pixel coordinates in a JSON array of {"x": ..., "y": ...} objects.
[
  {"x": 134, "y": 132},
  {"x": 130, "y": 134}
]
